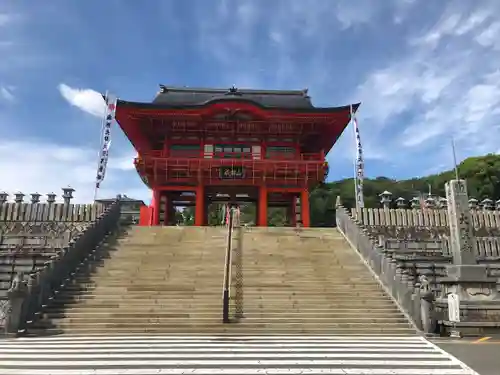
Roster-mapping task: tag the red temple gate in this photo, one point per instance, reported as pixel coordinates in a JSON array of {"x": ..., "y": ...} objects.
[{"x": 200, "y": 146}]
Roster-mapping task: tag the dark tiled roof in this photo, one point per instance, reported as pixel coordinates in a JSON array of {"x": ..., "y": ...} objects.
[
  {"x": 173, "y": 96},
  {"x": 123, "y": 198}
]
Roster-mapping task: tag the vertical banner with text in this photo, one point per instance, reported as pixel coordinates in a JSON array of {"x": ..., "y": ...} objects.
[
  {"x": 109, "y": 116},
  {"x": 358, "y": 166}
]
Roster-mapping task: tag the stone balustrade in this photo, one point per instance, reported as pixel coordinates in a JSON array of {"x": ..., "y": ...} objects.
[
  {"x": 18, "y": 216},
  {"x": 452, "y": 243},
  {"x": 30, "y": 284},
  {"x": 433, "y": 202}
]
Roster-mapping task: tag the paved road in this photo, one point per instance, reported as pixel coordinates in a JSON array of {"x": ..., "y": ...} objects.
[
  {"x": 332, "y": 355},
  {"x": 482, "y": 354}
]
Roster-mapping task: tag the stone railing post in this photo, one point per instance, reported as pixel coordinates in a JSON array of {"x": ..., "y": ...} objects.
[
  {"x": 16, "y": 296},
  {"x": 427, "y": 309}
]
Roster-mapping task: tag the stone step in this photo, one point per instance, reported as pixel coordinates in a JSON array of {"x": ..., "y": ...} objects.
[
  {"x": 319, "y": 300},
  {"x": 96, "y": 314},
  {"x": 256, "y": 286},
  {"x": 179, "y": 324},
  {"x": 229, "y": 329},
  {"x": 252, "y": 293},
  {"x": 200, "y": 320},
  {"x": 252, "y": 309}
]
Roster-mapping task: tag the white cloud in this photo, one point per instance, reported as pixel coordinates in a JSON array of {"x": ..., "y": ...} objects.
[
  {"x": 123, "y": 163},
  {"x": 490, "y": 36},
  {"x": 43, "y": 167},
  {"x": 6, "y": 94},
  {"x": 445, "y": 83},
  {"x": 87, "y": 100},
  {"x": 4, "y": 19}
]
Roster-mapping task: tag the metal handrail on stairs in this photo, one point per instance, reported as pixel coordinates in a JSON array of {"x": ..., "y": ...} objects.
[{"x": 227, "y": 270}]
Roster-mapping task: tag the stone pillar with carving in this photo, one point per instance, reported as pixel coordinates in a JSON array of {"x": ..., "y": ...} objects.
[
  {"x": 465, "y": 277},
  {"x": 16, "y": 296}
]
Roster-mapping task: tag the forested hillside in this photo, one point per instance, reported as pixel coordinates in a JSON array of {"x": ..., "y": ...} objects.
[{"x": 482, "y": 175}]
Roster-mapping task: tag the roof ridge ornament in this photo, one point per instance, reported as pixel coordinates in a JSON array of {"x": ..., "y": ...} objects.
[{"x": 233, "y": 91}]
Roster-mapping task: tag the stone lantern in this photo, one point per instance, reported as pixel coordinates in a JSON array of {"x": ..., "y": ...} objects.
[
  {"x": 3, "y": 197},
  {"x": 385, "y": 198},
  {"x": 443, "y": 202},
  {"x": 415, "y": 203},
  {"x": 488, "y": 204},
  {"x": 401, "y": 203},
  {"x": 473, "y": 203},
  {"x": 35, "y": 198},
  {"x": 67, "y": 194},
  {"x": 51, "y": 198},
  {"x": 430, "y": 202},
  {"x": 18, "y": 197},
  {"x": 497, "y": 205}
]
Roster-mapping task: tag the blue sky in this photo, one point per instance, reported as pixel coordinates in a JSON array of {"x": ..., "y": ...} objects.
[{"x": 423, "y": 70}]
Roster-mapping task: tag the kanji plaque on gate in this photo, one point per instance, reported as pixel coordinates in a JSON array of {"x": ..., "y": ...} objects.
[{"x": 232, "y": 173}]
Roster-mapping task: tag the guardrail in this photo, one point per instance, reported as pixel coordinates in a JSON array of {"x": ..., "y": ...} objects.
[{"x": 226, "y": 292}]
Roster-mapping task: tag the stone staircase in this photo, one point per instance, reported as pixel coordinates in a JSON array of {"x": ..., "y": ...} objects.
[
  {"x": 312, "y": 282},
  {"x": 168, "y": 280},
  {"x": 155, "y": 280}
]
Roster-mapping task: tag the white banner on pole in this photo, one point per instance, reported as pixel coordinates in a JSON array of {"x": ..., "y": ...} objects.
[
  {"x": 109, "y": 116},
  {"x": 358, "y": 165}
]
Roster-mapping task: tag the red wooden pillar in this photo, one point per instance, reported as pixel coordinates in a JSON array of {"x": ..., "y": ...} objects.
[
  {"x": 199, "y": 214},
  {"x": 262, "y": 211},
  {"x": 156, "y": 207},
  {"x": 304, "y": 208}
]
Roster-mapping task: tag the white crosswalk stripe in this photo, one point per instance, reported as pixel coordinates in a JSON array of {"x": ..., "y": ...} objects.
[{"x": 227, "y": 355}]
